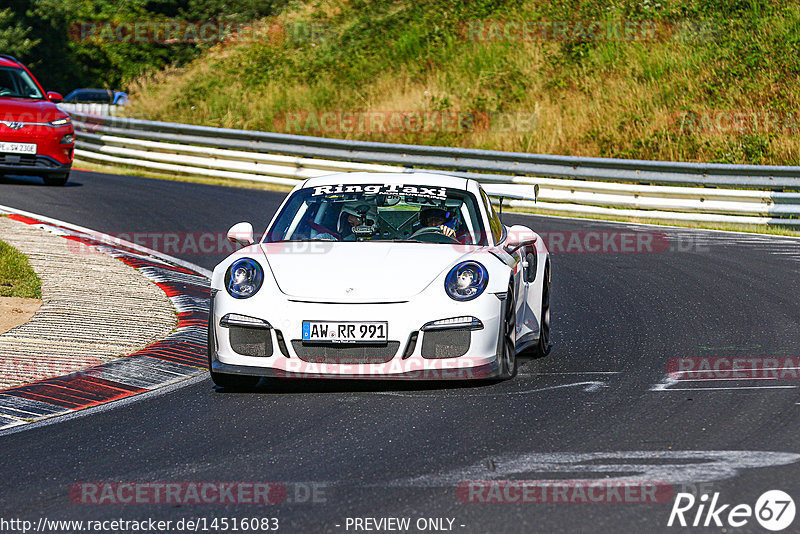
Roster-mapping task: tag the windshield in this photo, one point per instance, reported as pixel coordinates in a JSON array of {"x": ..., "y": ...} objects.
[
  {"x": 18, "y": 83},
  {"x": 380, "y": 212}
]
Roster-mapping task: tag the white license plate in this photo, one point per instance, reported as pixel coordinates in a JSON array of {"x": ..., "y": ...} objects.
[
  {"x": 345, "y": 332},
  {"x": 18, "y": 148}
]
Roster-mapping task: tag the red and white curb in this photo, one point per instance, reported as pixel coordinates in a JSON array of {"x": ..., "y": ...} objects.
[{"x": 179, "y": 356}]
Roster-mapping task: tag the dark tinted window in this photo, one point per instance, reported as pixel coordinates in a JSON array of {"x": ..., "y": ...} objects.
[{"x": 18, "y": 83}]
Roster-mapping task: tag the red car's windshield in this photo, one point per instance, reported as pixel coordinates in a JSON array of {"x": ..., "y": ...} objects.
[{"x": 15, "y": 82}]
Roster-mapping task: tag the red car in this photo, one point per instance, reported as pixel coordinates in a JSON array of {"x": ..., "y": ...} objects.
[{"x": 36, "y": 138}]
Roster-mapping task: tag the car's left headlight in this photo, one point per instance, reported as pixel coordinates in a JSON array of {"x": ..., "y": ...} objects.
[
  {"x": 63, "y": 121},
  {"x": 466, "y": 281},
  {"x": 243, "y": 278}
]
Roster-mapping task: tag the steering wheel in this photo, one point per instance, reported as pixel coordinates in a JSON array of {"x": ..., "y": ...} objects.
[
  {"x": 432, "y": 234},
  {"x": 4, "y": 91}
]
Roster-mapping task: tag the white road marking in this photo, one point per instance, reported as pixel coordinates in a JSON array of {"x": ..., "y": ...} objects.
[
  {"x": 572, "y": 373},
  {"x": 589, "y": 387},
  {"x": 727, "y": 388},
  {"x": 669, "y": 467},
  {"x": 670, "y": 380},
  {"x": 720, "y": 379},
  {"x": 703, "y": 371}
]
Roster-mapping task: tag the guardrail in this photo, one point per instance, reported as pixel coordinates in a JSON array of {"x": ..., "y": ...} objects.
[
  {"x": 91, "y": 108},
  {"x": 748, "y": 194}
]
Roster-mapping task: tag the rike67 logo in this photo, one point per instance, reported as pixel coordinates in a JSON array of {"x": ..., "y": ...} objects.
[{"x": 774, "y": 510}]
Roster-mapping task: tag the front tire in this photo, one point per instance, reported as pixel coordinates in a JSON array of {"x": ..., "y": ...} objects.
[
  {"x": 543, "y": 346},
  {"x": 508, "y": 365}
]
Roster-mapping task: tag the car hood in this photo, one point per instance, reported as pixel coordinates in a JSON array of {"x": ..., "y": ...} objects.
[
  {"x": 27, "y": 110},
  {"x": 359, "y": 272}
]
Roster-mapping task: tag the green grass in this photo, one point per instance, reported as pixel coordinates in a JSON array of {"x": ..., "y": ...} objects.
[
  {"x": 17, "y": 279},
  {"x": 601, "y": 98}
]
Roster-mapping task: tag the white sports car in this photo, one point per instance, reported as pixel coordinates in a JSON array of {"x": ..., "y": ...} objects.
[{"x": 380, "y": 275}]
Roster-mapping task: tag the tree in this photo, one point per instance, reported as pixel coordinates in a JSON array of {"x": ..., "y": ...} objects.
[
  {"x": 14, "y": 35},
  {"x": 65, "y": 56}
]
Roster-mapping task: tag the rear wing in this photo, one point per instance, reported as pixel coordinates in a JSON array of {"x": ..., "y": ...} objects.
[{"x": 499, "y": 192}]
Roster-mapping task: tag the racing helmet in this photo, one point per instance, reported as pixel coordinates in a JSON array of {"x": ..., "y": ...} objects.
[
  {"x": 367, "y": 215},
  {"x": 428, "y": 213}
]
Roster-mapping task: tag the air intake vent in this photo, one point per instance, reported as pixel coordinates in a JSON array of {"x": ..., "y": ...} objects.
[
  {"x": 350, "y": 354},
  {"x": 438, "y": 344},
  {"x": 251, "y": 341},
  {"x": 17, "y": 159}
]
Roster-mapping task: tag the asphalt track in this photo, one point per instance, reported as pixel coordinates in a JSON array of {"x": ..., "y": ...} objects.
[{"x": 401, "y": 450}]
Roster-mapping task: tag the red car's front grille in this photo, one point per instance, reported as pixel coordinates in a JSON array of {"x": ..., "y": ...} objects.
[{"x": 18, "y": 160}]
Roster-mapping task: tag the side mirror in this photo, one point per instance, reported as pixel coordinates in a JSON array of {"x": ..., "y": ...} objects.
[
  {"x": 54, "y": 97},
  {"x": 241, "y": 233},
  {"x": 518, "y": 237}
]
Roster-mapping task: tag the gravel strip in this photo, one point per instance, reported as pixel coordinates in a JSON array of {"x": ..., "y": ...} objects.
[{"x": 95, "y": 309}]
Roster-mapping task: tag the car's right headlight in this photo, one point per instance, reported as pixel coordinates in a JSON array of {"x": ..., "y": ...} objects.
[
  {"x": 243, "y": 278},
  {"x": 466, "y": 281}
]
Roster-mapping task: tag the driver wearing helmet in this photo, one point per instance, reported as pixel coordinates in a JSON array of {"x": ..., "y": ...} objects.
[
  {"x": 435, "y": 218},
  {"x": 357, "y": 220}
]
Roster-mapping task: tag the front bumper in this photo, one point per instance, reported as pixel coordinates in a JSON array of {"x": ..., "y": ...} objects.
[
  {"x": 52, "y": 156},
  {"x": 36, "y": 165},
  {"x": 458, "y": 373},
  {"x": 401, "y": 359}
]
